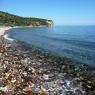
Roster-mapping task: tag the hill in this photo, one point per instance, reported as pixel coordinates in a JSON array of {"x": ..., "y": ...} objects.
[{"x": 8, "y": 19}]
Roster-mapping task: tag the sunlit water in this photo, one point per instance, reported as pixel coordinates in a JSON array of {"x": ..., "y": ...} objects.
[{"x": 76, "y": 42}]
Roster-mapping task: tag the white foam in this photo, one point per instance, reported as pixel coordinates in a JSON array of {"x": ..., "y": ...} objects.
[{"x": 6, "y": 36}]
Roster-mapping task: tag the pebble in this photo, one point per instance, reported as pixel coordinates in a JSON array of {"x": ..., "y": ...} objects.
[
  {"x": 46, "y": 77},
  {"x": 23, "y": 73}
]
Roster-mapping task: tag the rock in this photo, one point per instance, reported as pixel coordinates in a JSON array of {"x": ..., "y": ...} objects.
[
  {"x": 44, "y": 93},
  {"x": 7, "y": 93},
  {"x": 0, "y": 54},
  {"x": 5, "y": 89},
  {"x": 26, "y": 73},
  {"x": 46, "y": 77},
  {"x": 33, "y": 70},
  {"x": 29, "y": 92}
]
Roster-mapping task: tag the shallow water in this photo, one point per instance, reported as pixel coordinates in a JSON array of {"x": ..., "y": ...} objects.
[{"x": 76, "y": 42}]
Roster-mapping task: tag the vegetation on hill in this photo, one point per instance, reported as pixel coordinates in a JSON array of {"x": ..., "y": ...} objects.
[{"x": 7, "y": 19}]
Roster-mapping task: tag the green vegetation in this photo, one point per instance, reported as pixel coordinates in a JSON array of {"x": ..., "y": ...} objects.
[{"x": 7, "y": 19}]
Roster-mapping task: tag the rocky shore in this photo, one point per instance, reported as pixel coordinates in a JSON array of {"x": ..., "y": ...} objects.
[{"x": 27, "y": 71}]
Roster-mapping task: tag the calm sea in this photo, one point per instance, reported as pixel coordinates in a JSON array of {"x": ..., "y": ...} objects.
[{"x": 76, "y": 42}]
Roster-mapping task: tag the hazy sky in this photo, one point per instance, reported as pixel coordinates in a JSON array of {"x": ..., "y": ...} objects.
[{"x": 61, "y": 11}]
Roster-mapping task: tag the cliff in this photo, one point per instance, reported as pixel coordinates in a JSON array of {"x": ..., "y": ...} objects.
[{"x": 8, "y": 19}]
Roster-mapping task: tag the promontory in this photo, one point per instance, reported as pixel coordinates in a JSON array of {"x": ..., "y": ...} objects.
[{"x": 7, "y": 19}]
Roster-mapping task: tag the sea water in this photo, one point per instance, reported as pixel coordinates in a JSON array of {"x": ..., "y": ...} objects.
[{"x": 76, "y": 42}]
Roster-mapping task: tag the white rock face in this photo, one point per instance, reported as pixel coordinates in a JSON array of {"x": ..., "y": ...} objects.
[{"x": 50, "y": 23}]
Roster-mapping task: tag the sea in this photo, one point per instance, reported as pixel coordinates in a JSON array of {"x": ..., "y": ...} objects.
[{"x": 74, "y": 42}]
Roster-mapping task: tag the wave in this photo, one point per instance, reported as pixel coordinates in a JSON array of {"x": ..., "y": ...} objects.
[{"x": 6, "y": 36}]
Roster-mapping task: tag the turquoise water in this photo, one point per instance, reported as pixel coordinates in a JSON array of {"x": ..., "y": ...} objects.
[{"x": 76, "y": 42}]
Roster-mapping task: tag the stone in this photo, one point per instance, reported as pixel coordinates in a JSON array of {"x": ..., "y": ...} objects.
[
  {"x": 26, "y": 73},
  {"x": 46, "y": 77}
]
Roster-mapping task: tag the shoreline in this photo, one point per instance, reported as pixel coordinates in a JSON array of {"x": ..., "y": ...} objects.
[
  {"x": 24, "y": 71},
  {"x": 3, "y": 30}
]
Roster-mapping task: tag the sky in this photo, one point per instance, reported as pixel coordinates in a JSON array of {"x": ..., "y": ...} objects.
[{"x": 62, "y": 12}]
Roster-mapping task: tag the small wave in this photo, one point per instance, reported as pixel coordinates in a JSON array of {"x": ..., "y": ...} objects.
[{"x": 6, "y": 36}]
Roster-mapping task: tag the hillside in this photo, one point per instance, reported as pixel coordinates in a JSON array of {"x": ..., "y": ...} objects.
[{"x": 8, "y": 19}]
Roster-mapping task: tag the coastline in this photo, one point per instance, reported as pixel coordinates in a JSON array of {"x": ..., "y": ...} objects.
[
  {"x": 28, "y": 71},
  {"x": 3, "y": 30}
]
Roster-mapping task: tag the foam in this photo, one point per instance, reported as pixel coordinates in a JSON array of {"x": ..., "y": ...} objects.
[{"x": 6, "y": 36}]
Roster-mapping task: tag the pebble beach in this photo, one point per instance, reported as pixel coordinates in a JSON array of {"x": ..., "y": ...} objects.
[{"x": 27, "y": 71}]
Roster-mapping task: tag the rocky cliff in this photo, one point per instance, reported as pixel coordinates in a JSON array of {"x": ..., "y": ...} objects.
[{"x": 8, "y": 19}]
